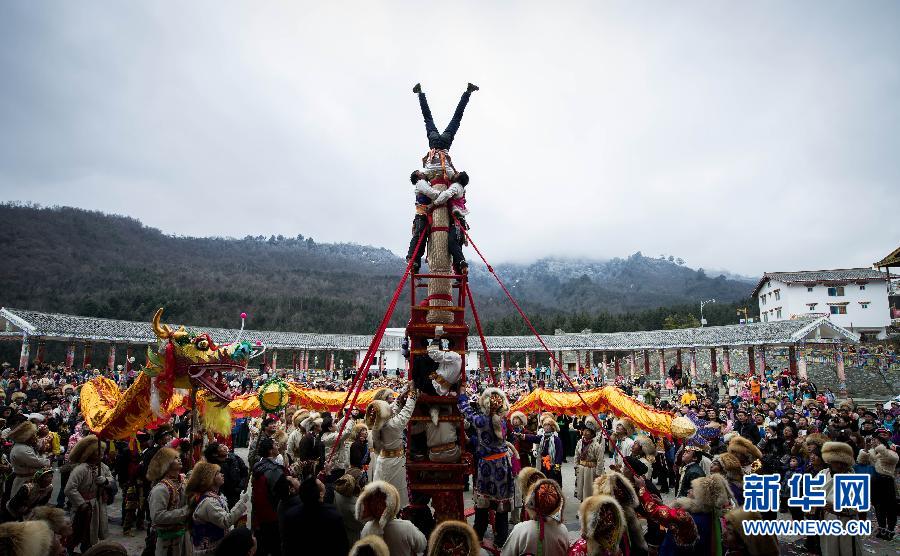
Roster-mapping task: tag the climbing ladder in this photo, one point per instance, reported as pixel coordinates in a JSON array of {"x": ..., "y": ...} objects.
[{"x": 442, "y": 482}]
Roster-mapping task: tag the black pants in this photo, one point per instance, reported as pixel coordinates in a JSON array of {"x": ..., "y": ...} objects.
[
  {"x": 442, "y": 140},
  {"x": 454, "y": 243},
  {"x": 501, "y": 525},
  {"x": 268, "y": 539},
  {"x": 884, "y": 502}
]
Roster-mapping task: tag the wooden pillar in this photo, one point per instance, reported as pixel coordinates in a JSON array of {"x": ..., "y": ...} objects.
[
  {"x": 25, "y": 353},
  {"x": 129, "y": 353},
  {"x": 801, "y": 363},
  {"x": 70, "y": 356},
  {"x": 111, "y": 358},
  {"x": 726, "y": 359},
  {"x": 631, "y": 365},
  {"x": 616, "y": 364},
  {"x": 274, "y": 359},
  {"x": 381, "y": 362},
  {"x": 88, "y": 351},
  {"x": 792, "y": 359},
  {"x": 294, "y": 360},
  {"x": 839, "y": 368},
  {"x": 662, "y": 365},
  {"x": 762, "y": 361},
  {"x": 604, "y": 367},
  {"x": 678, "y": 359},
  {"x": 751, "y": 359},
  {"x": 714, "y": 364},
  {"x": 692, "y": 361},
  {"x": 646, "y": 363},
  {"x": 41, "y": 351}
]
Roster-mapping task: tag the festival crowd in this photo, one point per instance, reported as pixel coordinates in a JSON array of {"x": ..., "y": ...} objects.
[{"x": 323, "y": 483}]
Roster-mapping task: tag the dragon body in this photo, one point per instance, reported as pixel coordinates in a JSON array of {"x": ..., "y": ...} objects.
[{"x": 181, "y": 359}]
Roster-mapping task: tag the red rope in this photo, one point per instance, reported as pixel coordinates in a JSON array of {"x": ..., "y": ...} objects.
[
  {"x": 540, "y": 339},
  {"x": 363, "y": 369},
  {"x": 487, "y": 355}
]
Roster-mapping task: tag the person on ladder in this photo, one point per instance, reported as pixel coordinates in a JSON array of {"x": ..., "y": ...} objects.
[
  {"x": 439, "y": 143},
  {"x": 428, "y": 197}
]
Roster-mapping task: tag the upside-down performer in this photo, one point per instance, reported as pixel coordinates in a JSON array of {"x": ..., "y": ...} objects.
[{"x": 495, "y": 484}]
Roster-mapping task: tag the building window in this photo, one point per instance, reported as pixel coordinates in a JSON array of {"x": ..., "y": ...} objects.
[
  {"x": 762, "y": 299},
  {"x": 837, "y": 291},
  {"x": 864, "y": 305},
  {"x": 778, "y": 313},
  {"x": 777, "y": 295},
  {"x": 765, "y": 317},
  {"x": 812, "y": 306},
  {"x": 809, "y": 288},
  {"x": 862, "y": 287},
  {"x": 838, "y": 309}
]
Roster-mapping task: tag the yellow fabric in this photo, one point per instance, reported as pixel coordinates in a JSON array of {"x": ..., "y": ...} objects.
[
  {"x": 314, "y": 400},
  {"x": 113, "y": 414},
  {"x": 608, "y": 399},
  {"x": 688, "y": 397}
]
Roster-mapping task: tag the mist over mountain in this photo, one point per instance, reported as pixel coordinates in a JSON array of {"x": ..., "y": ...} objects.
[{"x": 84, "y": 262}]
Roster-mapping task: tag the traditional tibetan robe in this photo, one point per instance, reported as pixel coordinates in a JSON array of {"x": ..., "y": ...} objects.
[
  {"x": 83, "y": 488},
  {"x": 25, "y": 462},
  {"x": 169, "y": 514},
  {"x": 589, "y": 462},
  {"x": 391, "y": 459}
]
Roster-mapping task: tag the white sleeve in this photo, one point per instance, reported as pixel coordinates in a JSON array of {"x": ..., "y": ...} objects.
[
  {"x": 425, "y": 188},
  {"x": 455, "y": 190}
]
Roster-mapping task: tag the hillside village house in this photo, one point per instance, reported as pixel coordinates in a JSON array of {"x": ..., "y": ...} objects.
[{"x": 854, "y": 298}]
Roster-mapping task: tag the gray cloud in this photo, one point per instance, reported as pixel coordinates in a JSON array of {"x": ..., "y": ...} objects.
[{"x": 751, "y": 137}]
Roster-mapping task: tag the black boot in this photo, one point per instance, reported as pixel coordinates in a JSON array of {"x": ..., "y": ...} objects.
[
  {"x": 417, "y": 88},
  {"x": 471, "y": 88}
]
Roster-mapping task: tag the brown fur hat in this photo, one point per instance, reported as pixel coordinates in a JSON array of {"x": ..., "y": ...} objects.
[
  {"x": 526, "y": 478},
  {"x": 348, "y": 484},
  {"x": 838, "y": 452},
  {"x": 757, "y": 545},
  {"x": 602, "y": 523},
  {"x": 84, "y": 449},
  {"x": 456, "y": 538},
  {"x": 817, "y": 439},
  {"x": 299, "y": 416},
  {"x": 106, "y": 548},
  {"x": 391, "y": 504},
  {"x": 377, "y": 414},
  {"x": 383, "y": 394},
  {"x": 55, "y": 517},
  {"x": 550, "y": 420},
  {"x": 618, "y": 486},
  {"x": 647, "y": 446},
  {"x": 202, "y": 479},
  {"x": 741, "y": 448},
  {"x": 731, "y": 466},
  {"x": 370, "y": 544},
  {"x": 545, "y": 499},
  {"x": 627, "y": 423},
  {"x": 358, "y": 427},
  {"x": 23, "y": 432},
  {"x": 708, "y": 494},
  {"x": 518, "y": 415},
  {"x": 159, "y": 464},
  {"x": 26, "y": 538}
]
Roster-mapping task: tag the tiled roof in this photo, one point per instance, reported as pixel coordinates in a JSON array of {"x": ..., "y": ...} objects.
[
  {"x": 69, "y": 327},
  {"x": 812, "y": 276}
]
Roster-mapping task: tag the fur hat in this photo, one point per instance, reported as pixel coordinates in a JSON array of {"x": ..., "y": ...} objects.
[
  {"x": 377, "y": 414},
  {"x": 591, "y": 424},
  {"x": 885, "y": 460},
  {"x": 484, "y": 401},
  {"x": 741, "y": 448},
  {"x": 26, "y": 538},
  {"x": 299, "y": 416},
  {"x": 55, "y": 517},
  {"x": 370, "y": 545},
  {"x": 817, "y": 439},
  {"x": 756, "y": 545},
  {"x": 839, "y": 452},
  {"x": 18, "y": 395},
  {"x": 203, "y": 478},
  {"x": 311, "y": 420},
  {"x": 159, "y": 464},
  {"x": 627, "y": 423},
  {"x": 707, "y": 494},
  {"x": 348, "y": 484},
  {"x": 647, "y": 446},
  {"x": 545, "y": 499},
  {"x": 383, "y": 394},
  {"x": 453, "y": 538},
  {"x": 367, "y": 502},
  {"x": 520, "y": 416},
  {"x": 731, "y": 466},
  {"x": 551, "y": 421},
  {"x": 602, "y": 524},
  {"x": 84, "y": 449},
  {"x": 863, "y": 458},
  {"x": 23, "y": 432},
  {"x": 618, "y": 486},
  {"x": 526, "y": 478},
  {"x": 358, "y": 427}
]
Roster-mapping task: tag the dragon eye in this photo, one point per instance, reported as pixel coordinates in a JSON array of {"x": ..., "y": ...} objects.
[{"x": 202, "y": 344}]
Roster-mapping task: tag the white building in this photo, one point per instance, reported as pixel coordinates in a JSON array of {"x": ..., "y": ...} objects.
[{"x": 854, "y": 298}]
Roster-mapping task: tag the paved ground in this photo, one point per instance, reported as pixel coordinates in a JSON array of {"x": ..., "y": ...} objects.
[{"x": 789, "y": 545}]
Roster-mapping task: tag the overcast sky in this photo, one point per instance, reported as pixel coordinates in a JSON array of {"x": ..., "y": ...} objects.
[{"x": 748, "y": 136}]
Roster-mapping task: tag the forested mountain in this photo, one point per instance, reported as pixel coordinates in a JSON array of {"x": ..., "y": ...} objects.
[{"x": 76, "y": 261}]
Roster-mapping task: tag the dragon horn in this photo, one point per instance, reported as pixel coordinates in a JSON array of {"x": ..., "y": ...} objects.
[{"x": 163, "y": 332}]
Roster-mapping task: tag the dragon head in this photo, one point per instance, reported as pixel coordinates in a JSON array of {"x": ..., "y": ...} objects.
[{"x": 185, "y": 358}]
